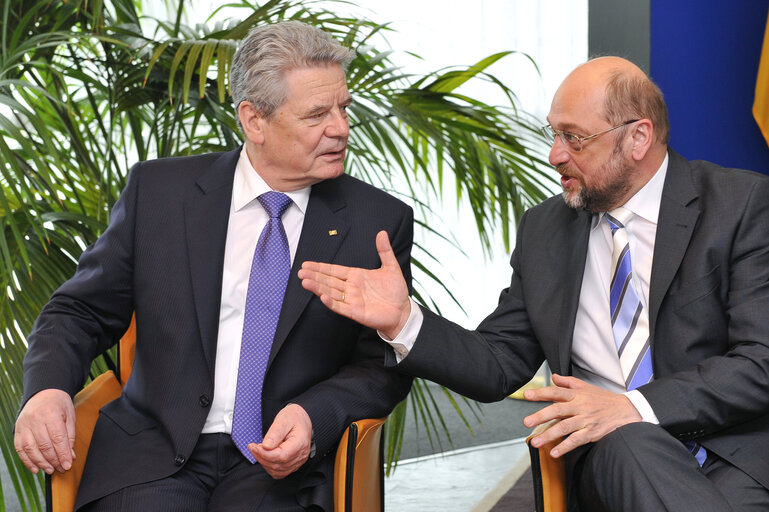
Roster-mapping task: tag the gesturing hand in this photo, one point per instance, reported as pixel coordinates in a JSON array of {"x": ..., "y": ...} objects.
[
  {"x": 375, "y": 298},
  {"x": 587, "y": 413}
]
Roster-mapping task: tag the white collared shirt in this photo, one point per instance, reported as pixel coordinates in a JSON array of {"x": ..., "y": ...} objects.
[
  {"x": 594, "y": 355},
  {"x": 247, "y": 219}
]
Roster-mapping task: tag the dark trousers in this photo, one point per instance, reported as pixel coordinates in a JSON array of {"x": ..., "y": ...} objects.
[
  {"x": 216, "y": 478},
  {"x": 640, "y": 467}
]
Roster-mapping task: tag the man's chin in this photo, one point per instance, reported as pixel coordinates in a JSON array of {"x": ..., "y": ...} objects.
[
  {"x": 573, "y": 199},
  {"x": 329, "y": 172}
]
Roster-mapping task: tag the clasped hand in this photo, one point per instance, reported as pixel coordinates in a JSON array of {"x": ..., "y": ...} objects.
[
  {"x": 585, "y": 413},
  {"x": 287, "y": 443}
]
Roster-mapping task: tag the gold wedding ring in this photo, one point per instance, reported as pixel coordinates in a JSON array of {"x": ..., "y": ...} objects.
[{"x": 342, "y": 296}]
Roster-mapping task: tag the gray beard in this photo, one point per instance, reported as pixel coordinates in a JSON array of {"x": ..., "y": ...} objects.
[
  {"x": 577, "y": 202},
  {"x": 607, "y": 197},
  {"x": 599, "y": 200}
]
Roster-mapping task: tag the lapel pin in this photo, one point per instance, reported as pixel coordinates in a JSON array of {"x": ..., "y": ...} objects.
[{"x": 332, "y": 232}]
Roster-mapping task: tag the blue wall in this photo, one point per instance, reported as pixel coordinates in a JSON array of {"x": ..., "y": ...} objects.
[{"x": 704, "y": 57}]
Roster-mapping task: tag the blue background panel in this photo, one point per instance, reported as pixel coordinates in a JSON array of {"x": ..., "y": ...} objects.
[{"x": 704, "y": 56}]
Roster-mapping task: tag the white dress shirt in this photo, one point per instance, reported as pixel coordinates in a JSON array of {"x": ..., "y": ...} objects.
[
  {"x": 594, "y": 354},
  {"x": 247, "y": 219}
]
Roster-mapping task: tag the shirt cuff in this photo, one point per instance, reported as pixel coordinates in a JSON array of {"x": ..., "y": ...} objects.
[
  {"x": 404, "y": 341},
  {"x": 642, "y": 406}
]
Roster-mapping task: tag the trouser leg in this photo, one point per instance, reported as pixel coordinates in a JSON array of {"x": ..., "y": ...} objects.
[
  {"x": 187, "y": 490},
  {"x": 740, "y": 490},
  {"x": 216, "y": 478},
  {"x": 640, "y": 467}
]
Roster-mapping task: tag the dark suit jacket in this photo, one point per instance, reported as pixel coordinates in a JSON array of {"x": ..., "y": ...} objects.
[
  {"x": 709, "y": 312},
  {"x": 162, "y": 257}
]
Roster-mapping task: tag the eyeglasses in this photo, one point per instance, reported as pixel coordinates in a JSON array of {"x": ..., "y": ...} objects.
[{"x": 575, "y": 142}]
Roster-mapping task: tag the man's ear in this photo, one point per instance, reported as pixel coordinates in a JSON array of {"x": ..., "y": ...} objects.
[
  {"x": 252, "y": 122},
  {"x": 642, "y": 138}
]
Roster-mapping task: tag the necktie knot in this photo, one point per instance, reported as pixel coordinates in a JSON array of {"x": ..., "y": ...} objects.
[
  {"x": 618, "y": 218},
  {"x": 275, "y": 203}
]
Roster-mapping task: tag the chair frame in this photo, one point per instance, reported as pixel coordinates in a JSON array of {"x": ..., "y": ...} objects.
[
  {"x": 359, "y": 468},
  {"x": 548, "y": 475}
]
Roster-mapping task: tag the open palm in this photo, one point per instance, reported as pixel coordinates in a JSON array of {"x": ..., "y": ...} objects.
[{"x": 376, "y": 298}]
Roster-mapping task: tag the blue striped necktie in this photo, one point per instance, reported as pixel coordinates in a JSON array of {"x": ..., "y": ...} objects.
[
  {"x": 629, "y": 318},
  {"x": 270, "y": 268}
]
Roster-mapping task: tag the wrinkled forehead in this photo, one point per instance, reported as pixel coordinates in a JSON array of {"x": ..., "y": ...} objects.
[{"x": 306, "y": 87}]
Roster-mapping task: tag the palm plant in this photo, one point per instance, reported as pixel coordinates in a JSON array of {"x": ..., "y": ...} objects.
[{"x": 87, "y": 88}]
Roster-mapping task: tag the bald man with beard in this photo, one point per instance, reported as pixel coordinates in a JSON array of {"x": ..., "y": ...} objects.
[{"x": 666, "y": 412}]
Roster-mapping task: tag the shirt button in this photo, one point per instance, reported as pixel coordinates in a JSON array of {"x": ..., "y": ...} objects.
[
  {"x": 230, "y": 415},
  {"x": 204, "y": 401},
  {"x": 179, "y": 460}
]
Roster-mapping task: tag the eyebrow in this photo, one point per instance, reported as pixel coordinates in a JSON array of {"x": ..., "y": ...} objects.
[
  {"x": 319, "y": 109},
  {"x": 567, "y": 127}
]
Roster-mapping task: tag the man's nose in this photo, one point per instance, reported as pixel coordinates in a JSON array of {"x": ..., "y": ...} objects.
[
  {"x": 338, "y": 125},
  {"x": 559, "y": 153}
]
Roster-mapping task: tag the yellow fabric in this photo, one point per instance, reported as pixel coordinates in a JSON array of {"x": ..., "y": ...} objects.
[{"x": 761, "y": 101}]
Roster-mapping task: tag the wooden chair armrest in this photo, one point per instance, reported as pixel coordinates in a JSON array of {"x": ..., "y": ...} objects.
[
  {"x": 548, "y": 474},
  {"x": 102, "y": 390},
  {"x": 358, "y": 469},
  {"x": 62, "y": 487}
]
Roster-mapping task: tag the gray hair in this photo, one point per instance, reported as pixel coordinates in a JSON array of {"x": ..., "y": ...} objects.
[{"x": 269, "y": 51}]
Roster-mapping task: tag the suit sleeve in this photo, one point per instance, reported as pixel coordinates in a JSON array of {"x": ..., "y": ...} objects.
[
  {"x": 486, "y": 364},
  {"x": 726, "y": 388},
  {"x": 363, "y": 388},
  {"x": 90, "y": 311}
]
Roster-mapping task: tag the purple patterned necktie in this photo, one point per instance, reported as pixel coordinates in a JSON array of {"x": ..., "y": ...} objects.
[{"x": 270, "y": 268}]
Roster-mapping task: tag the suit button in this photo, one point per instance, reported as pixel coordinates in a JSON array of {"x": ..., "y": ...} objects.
[
  {"x": 204, "y": 401},
  {"x": 179, "y": 460}
]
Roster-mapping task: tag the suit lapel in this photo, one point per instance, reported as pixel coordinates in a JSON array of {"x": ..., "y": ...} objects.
[
  {"x": 677, "y": 219},
  {"x": 323, "y": 231},
  {"x": 207, "y": 211},
  {"x": 569, "y": 253}
]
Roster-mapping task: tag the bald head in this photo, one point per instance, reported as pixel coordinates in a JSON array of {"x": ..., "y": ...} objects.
[
  {"x": 619, "y": 90},
  {"x": 595, "y": 74},
  {"x": 602, "y": 67}
]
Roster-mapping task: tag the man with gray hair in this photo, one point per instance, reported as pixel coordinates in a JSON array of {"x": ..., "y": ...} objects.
[{"x": 243, "y": 382}]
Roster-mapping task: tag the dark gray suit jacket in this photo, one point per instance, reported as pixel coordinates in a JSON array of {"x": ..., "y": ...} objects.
[
  {"x": 709, "y": 312},
  {"x": 162, "y": 257}
]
